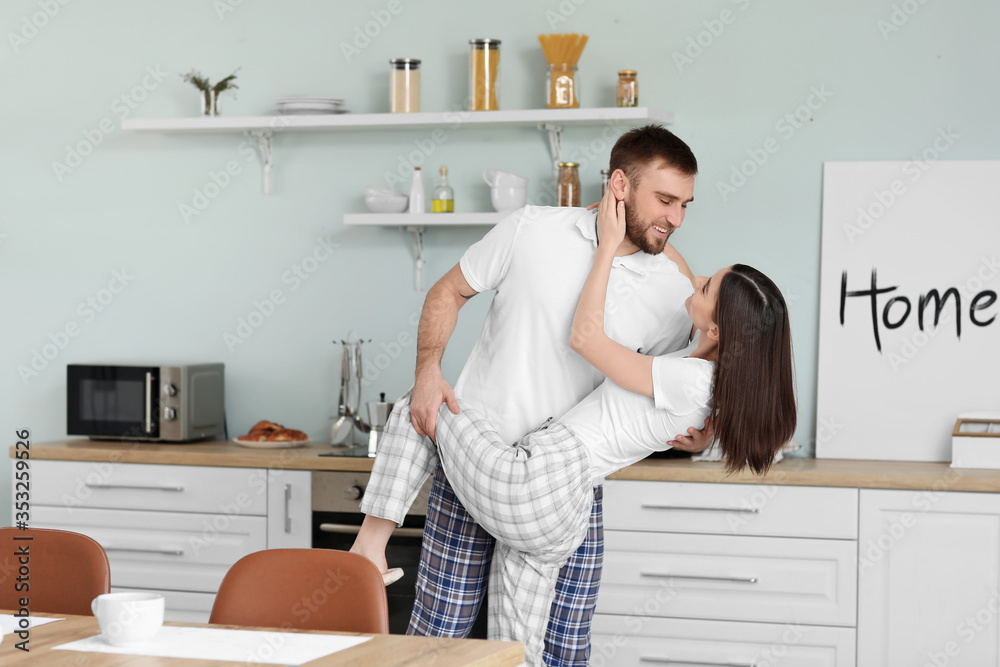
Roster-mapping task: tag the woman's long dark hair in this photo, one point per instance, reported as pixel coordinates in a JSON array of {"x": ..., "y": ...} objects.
[{"x": 753, "y": 406}]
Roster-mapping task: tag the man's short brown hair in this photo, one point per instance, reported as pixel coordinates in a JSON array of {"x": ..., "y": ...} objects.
[{"x": 651, "y": 145}]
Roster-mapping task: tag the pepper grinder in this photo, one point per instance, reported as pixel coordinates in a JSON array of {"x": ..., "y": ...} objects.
[{"x": 378, "y": 415}]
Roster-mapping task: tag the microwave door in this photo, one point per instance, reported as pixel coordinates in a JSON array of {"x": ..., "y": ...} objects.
[{"x": 112, "y": 401}]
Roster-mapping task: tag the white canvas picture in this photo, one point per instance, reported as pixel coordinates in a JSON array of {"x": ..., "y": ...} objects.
[{"x": 909, "y": 312}]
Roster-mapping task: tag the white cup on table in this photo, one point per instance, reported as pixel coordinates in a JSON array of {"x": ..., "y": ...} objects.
[{"x": 128, "y": 618}]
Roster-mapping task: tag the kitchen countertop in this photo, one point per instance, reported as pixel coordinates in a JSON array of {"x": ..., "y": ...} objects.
[{"x": 792, "y": 471}]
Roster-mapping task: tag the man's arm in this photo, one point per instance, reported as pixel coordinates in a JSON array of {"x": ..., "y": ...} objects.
[{"x": 437, "y": 323}]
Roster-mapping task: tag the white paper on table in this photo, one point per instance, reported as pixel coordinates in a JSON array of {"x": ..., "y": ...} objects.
[
  {"x": 274, "y": 648},
  {"x": 10, "y": 623}
]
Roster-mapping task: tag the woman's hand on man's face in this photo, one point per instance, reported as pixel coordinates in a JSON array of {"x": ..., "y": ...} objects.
[{"x": 610, "y": 221}]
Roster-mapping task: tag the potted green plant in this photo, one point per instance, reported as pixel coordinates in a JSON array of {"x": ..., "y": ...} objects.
[{"x": 210, "y": 93}]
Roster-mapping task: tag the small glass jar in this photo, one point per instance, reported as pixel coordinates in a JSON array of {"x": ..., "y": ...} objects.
[
  {"x": 628, "y": 88},
  {"x": 484, "y": 74},
  {"x": 404, "y": 85},
  {"x": 560, "y": 87},
  {"x": 605, "y": 179},
  {"x": 568, "y": 185}
]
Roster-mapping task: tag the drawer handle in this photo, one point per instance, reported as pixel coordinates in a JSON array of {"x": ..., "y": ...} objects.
[
  {"x": 165, "y": 552},
  {"x": 667, "y": 575},
  {"x": 349, "y": 529},
  {"x": 133, "y": 486},
  {"x": 745, "y": 510},
  {"x": 670, "y": 661},
  {"x": 288, "y": 516}
]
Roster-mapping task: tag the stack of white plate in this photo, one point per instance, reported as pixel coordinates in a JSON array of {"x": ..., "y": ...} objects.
[{"x": 309, "y": 105}]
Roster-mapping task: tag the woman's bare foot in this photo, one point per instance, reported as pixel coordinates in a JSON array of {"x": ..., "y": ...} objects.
[{"x": 370, "y": 543}]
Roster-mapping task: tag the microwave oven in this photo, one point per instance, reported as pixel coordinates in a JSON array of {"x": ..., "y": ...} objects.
[{"x": 178, "y": 403}]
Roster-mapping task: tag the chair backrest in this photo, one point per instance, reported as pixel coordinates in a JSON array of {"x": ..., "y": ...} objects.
[
  {"x": 305, "y": 589},
  {"x": 65, "y": 570}
]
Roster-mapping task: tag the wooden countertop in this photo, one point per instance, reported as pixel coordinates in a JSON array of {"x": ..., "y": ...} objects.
[{"x": 792, "y": 471}]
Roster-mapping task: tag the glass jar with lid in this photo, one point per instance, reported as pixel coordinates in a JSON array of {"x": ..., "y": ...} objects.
[
  {"x": 568, "y": 185},
  {"x": 628, "y": 88},
  {"x": 404, "y": 85},
  {"x": 484, "y": 74}
]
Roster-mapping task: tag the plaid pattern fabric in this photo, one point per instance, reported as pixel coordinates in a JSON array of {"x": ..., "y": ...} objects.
[{"x": 534, "y": 496}]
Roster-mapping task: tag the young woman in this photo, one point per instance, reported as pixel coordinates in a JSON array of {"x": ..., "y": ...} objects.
[{"x": 535, "y": 496}]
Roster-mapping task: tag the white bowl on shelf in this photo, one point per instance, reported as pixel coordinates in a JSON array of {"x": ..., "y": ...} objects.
[{"x": 380, "y": 200}]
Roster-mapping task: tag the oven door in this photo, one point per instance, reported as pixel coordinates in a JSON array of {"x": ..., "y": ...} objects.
[{"x": 113, "y": 401}]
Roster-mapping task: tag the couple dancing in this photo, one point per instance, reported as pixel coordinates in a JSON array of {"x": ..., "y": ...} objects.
[{"x": 519, "y": 457}]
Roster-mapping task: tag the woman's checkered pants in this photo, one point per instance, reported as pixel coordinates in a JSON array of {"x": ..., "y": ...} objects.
[{"x": 534, "y": 497}]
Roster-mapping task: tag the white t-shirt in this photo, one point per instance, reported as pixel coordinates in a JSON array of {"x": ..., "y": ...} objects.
[
  {"x": 521, "y": 370},
  {"x": 619, "y": 427}
]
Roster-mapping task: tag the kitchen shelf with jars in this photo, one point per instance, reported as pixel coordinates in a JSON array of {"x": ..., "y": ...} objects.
[{"x": 299, "y": 113}]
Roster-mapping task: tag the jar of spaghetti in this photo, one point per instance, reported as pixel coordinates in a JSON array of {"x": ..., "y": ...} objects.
[
  {"x": 404, "y": 85},
  {"x": 568, "y": 185},
  {"x": 484, "y": 70},
  {"x": 628, "y": 88},
  {"x": 561, "y": 91}
]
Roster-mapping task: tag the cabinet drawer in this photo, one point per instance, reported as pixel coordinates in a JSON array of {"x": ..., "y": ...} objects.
[
  {"x": 183, "y": 552},
  {"x": 731, "y": 509},
  {"x": 181, "y": 606},
  {"x": 723, "y": 577},
  {"x": 76, "y": 484},
  {"x": 632, "y": 641}
]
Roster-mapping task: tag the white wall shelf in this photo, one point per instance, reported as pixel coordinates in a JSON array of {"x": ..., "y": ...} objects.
[
  {"x": 401, "y": 121},
  {"x": 416, "y": 224},
  {"x": 263, "y": 128},
  {"x": 421, "y": 219}
]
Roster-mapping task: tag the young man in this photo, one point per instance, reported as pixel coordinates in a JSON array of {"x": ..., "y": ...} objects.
[{"x": 522, "y": 370}]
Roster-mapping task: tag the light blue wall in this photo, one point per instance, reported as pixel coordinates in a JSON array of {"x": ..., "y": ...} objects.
[{"x": 888, "y": 92}]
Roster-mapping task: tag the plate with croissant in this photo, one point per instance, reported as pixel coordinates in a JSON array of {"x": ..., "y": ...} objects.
[{"x": 268, "y": 435}]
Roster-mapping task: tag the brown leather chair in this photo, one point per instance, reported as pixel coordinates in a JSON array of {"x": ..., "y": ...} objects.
[
  {"x": 305, "y": 589},
  {"x": 66, "y": 571}
]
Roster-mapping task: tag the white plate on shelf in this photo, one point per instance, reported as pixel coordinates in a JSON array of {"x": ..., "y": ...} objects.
[
  {"x": 286, "y": 99},
  {"x": 270, "y": 444},
  {"x": 309, "y": 112}
]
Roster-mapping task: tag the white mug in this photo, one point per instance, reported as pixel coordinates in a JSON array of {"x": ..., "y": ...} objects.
[
  {"x": 508, "y": 199},
  {"x": 504, "y": 179},
  {"x": 128, "y": 618}
]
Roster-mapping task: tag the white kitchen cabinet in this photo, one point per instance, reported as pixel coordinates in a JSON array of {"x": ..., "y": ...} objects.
[
  {"x": 289, "y": 509},
  {"x": 727, "y": 574},
  {"x": 173, "y": 529},
  {"x": 639, "y": 639},
  {"x": 929, "y": 579}
]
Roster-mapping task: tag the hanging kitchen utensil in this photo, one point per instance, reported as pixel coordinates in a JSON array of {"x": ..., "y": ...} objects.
[
  {"x": 356, "y": 411},
  {"x": 342, "y": 427}
]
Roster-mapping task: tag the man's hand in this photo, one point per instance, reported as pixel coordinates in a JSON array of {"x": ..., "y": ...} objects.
[
  {"x": 429, "y": 391},
  {"x": 696, "y": 441}
]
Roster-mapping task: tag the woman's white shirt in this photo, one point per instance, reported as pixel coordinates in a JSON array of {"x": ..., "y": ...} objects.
[{"x": 619, "y": 427}]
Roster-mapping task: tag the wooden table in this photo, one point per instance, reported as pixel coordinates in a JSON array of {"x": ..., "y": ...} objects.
[{"x": 381, "y": 651}]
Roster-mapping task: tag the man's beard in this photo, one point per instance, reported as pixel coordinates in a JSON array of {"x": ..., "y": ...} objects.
[{"x": 637, "y": 231}]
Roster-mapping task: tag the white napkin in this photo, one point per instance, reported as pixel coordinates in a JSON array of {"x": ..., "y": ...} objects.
[
  {"x": 253, "y": 646},
  {"x": 714, "y": 451},
  {"x": 10, "y": 623}
]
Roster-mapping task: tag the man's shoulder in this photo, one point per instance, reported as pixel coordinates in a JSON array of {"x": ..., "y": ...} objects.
[{"x": 553, "y": 219}]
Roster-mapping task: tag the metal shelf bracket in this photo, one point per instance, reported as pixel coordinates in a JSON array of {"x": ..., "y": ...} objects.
[
  {"x": 418, "y": 253},
  {"x": 262, "y": 139},
  {"x": 555, "y": 143}
]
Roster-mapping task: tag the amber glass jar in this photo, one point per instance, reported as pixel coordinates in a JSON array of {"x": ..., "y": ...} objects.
[
  {"x": 484, "y": 74},
  {"x": 628, "y": 88},
  {"x": 568, "y": 185}
]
